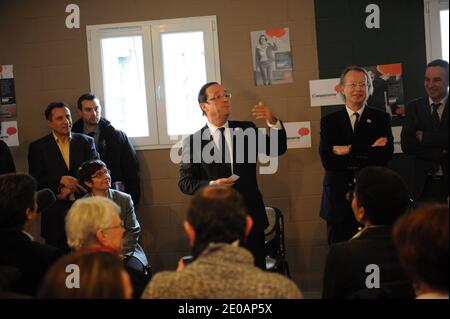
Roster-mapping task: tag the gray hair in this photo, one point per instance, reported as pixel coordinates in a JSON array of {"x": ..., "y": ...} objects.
[{"x": 86, "y": 216}]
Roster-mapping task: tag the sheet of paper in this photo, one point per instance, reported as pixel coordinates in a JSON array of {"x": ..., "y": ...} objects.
[{"x": 234, "y": 177}]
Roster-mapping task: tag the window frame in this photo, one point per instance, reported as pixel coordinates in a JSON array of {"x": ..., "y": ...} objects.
[
  {"x": 151, "y": 32},
  {"x": 432, "y": 20}
]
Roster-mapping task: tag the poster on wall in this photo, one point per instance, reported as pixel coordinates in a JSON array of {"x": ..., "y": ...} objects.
[
  {"x": 388, "y": 90},
  {"x": 7, "y": 92},
  {"x": 272, "y": 58},
  {"x": 9, "y": 133},
  {"x": 298, "y": 134}
]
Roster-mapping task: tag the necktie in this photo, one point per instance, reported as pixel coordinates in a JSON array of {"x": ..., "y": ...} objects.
[
  {"x": 223, "y": 143},
  {"x": 224, "y": 151},
  {"x": 435, "y": 120},
  {"x": 356, "y": 114}
]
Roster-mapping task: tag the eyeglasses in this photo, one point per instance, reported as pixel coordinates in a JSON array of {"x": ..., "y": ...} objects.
[
  {"x": 220, "y": 96},
  {"x": 355, "y": 85},
  {"x": 121, "y": 225},
  {"x": 101, "y": 173}
]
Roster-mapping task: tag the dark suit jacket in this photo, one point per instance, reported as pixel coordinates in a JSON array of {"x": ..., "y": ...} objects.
[
  {"x": 345, "y": 269},
  {"x": 336, "y": 129},
  {"x": 6, "y": 159},
  {"x": 31, "y": 258},
  {"x": 195, "y": 174},
  {"x": 432, "y": 151},
  {"x": 47, "y": 165}
]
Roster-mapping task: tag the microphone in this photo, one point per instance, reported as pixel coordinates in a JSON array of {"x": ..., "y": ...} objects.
[{"x": 44, "y": 198}]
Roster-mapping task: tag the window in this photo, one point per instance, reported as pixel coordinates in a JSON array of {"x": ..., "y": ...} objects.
[
  {"x": 436, "y": 29},
  {"x": 147, "y": 75}
]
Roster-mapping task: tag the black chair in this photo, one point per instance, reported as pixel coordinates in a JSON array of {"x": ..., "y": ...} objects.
[{"x": 274, "y": 243}]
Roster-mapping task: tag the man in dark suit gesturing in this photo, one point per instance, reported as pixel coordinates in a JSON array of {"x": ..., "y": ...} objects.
[
  {"x": 204, "y": 162},
  {"x": 350, "y": 139},
  {"x": 54, "y": 161},
  {"x": 425, "y": 136}
]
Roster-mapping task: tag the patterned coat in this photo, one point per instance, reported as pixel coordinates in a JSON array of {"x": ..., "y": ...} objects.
[{"x": 222, "y": 271}]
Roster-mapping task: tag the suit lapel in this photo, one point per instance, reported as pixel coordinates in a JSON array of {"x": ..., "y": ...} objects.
[
  {"x": 347, "y": 125},
  {"x": 444, "y": 118},
  {"x": 74, "y": 154}
]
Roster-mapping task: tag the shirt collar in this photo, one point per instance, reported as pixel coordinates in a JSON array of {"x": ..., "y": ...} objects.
[
  {"x": 350, "y": 111},
  {"x": 58, "y": 140},
  {"x": 443, "y": 101},
  {"x": 213, "y": 128},
  {"x": 28, "y": 235}
]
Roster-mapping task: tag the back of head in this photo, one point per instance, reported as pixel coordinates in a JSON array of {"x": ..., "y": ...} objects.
[
  {"x": 382, "y": 193},
  {"x": 89, "y": 276},
  {"x": 17, "y": 193},
  {"x": 85, "y": 217},
  {"x": 217, "y": 214},
  {"x": 421, "y": 238}
]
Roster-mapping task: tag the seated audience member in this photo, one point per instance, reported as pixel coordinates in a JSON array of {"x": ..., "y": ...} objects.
[
  {"x": 94, "y": 224},
  {"x": 17, "y": 248},
  {"x": 96, "y": 176},
  {"x": 379, "y": 198},
  {"x": 216, "y": 222},
  {"x": 6, "y": 159},
  {"x": 421, "y": 238},
  {"x": 97, "y": 275}
]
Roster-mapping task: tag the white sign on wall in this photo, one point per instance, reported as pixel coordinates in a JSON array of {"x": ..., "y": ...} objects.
[
  {"x": 298, "y": 134},
  {"x": 9, "y": 133},
  {"x": 325, "y": 92}
]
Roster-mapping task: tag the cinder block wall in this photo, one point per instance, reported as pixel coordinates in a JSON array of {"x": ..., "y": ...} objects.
[{"x": 51, "y": 63}]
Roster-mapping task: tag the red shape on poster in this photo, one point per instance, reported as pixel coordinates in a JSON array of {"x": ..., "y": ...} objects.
[
  {"x": 276, "y": 32},
  {"x": 391, "y": 69},
  {"x": 11, "y": 131},
  {"x": 11, "y": 109},
  {"x": 303, "y": 131}
]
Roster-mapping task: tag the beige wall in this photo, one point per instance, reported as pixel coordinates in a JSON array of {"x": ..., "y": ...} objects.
[{"x": 50, "y": 63}]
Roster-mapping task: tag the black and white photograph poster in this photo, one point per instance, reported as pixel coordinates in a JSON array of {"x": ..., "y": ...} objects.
[{"x": 272, "y": 58}]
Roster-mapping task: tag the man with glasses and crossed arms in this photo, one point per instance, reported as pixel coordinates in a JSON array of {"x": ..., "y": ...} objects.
[
  {"x": 350, "y": 139},
  {"x": 231, "y": 167}
]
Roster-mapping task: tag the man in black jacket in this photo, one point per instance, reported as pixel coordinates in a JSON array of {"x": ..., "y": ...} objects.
[
  {"x": 113, "y": 145},
  {"x": 18, "y": 208},
  {"x": 425, "y": 136},
  {"x": 235, "y": 145},
  {"x": 352, "y": 138},
  {"x": 53, "y": 161}
]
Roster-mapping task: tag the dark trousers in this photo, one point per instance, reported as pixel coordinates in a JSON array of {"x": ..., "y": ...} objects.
[
  {"x": 435, "y": 190},
  {"x": 139, "y": 274},
  {"x": 255, "y": 243},
  {"x": 341, "y": 231}
]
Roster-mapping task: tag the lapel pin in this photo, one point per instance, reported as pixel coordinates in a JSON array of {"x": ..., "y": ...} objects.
[{"x": 369, "y": 121}]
